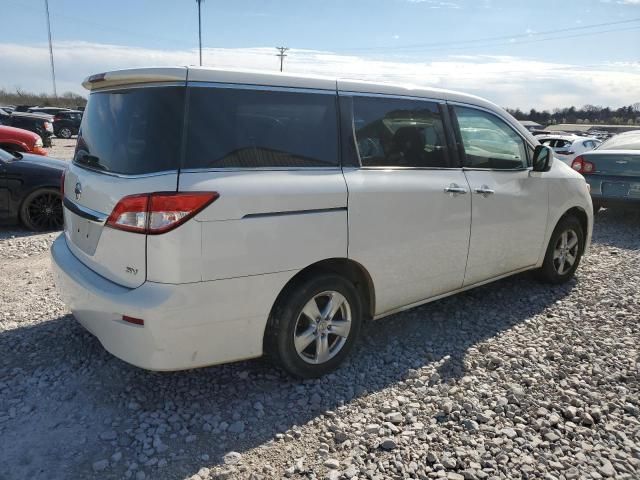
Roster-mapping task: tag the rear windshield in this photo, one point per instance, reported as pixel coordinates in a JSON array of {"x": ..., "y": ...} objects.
[
  {"x": 132, "y": 131},
  {"x": 245, "y": 128},
  {"x": 629, "y": 141}
]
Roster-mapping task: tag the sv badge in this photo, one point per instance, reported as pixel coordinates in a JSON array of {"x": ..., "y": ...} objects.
[{"x": 131, "y": 270}]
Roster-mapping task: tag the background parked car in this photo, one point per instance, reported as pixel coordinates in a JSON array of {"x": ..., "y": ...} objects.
[
  {"x": 567, "y": 147},
  {"x": 613, "y": 171},
  {"x": 30, "y": 190},
  {"x": 48, "y": 110},
  {"x": 4, "y": 116},
  {"x": 67, "y": 123},
  {"x": 35, "y": 122},
  {"x": 20, "y": 140},
  {"x": 8, "y": 108}
]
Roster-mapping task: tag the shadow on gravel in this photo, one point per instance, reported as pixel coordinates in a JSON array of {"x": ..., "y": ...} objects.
[
  {"x": 611, "y": 225},
  {"x": 66, "y": 391}
]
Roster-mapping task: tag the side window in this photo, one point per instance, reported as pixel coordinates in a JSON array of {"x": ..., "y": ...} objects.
[
  {"x": 240, "y": 128},
  {"x": 489, "y": 142},
  {"x": 394, "y": 132}
]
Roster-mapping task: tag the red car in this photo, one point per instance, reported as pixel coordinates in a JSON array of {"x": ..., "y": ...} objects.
[{"x": 19, "y": 140}]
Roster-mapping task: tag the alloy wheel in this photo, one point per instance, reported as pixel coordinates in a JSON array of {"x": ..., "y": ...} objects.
[
  {"x": 565, "y": 252},
  {"x": 322, "y": 327},
  {"x": 45, "y": 212}
]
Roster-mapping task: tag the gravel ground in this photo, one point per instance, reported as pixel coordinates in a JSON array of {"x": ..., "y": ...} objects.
[
  {"x": 511, "y": 380},
  {"x": 62, "y": 148}
]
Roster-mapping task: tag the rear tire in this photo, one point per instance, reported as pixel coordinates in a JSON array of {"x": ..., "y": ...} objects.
[
  {"x": 564, "y": 252},
  {"x": 41, "y": 210},
  {"x": 302, "y": 334}
]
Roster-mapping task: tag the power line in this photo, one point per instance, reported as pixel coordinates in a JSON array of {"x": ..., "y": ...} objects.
[
  {"x": 53, "y": 70},
  {"x": 421, "y": 46},
  {"x": 281, "y": 55}
]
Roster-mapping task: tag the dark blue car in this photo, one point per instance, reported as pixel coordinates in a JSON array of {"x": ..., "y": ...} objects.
[{"x": 613, "y": 171}]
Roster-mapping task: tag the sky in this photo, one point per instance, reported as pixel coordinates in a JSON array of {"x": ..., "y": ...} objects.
[{"x": 523, "y": 54}]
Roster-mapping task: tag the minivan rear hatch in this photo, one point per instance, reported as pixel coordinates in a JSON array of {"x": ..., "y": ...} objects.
[{"x": 129, "y": 143}]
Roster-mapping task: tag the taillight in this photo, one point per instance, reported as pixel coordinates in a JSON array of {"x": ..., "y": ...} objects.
[
  {"x": 155, "y": 213},
  {"x": 581, "y": 165}
]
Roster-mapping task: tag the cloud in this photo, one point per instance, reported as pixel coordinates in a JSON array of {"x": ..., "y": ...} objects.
[
  {"x": 622, "y": 2},
  {"x": 505, "y": 80},
  {"x": 437, "y": 3}
]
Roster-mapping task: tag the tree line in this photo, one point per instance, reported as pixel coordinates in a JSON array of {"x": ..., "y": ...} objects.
[
  {"x": 20, "y": 97},
  {"x": 595, "y": 114}
]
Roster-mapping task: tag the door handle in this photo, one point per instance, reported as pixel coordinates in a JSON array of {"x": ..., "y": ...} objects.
[
  {"x": 485, "y": 191},
  {"x": 455, "y": 189}
]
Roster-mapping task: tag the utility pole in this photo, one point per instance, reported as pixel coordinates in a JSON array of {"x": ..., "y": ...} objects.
[
  {"x": 53, "y": 70},
  {"x": 199, "y": 2},
  {"x": 281, "y": 55}
]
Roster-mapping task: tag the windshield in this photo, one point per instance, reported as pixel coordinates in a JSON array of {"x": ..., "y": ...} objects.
[
  {"x": 7, "y": 156},
  {"x": 133, "y": 131}
]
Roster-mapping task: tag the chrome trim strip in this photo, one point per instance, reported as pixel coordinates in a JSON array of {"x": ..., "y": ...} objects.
[
  {"x": 84, "y": 212},
  {"x": 347, "y": 93},
  {"x": 506, "y": 170},
  {"x": 294, "y": 212},
  {"x": 246, "y": 86},
  {"x": 260, "y": 169},
  {"x": 123, "y": 175},
  {"x": 364, "y": 167}
]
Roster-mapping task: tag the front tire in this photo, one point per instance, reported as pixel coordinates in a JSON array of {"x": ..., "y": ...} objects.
[
  {"x": 563, "y": 253},
  {"x": 65, "y": 133},
  {"x": 314, "y": 324},
  {"x": 42, "y": 210}
]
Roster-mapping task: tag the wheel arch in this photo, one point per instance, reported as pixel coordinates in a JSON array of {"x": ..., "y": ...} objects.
[
  {"x": 582, "y": 217},
  {"x": 345, "y": 267}
]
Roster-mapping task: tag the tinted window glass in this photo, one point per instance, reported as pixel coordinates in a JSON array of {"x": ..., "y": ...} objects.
[
  {"x": 399, "y": 133},
  {"x": 240, "y": 128},
  {"x": 132, "y": 131},
  {"x": 489, "y": 142}
]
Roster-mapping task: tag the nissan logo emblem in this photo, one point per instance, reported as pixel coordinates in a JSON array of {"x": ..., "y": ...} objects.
[{"x": 78, "y": 190}]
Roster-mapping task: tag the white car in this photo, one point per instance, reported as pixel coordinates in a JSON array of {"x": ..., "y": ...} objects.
[
  {"x": 215, "y": 215},
  {"x": 568, "y": 147}
]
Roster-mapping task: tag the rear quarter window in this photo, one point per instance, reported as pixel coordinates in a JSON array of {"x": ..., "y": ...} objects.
[{"x": 246, "y": 128}]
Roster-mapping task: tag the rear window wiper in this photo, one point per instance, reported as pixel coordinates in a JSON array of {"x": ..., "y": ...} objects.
[{"x": 90, "y": 161}]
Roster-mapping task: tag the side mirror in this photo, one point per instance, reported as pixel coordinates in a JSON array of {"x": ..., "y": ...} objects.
[{"x": 542, "y": 158}]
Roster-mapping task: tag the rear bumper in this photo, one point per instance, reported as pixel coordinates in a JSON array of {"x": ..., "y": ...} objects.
[
  {"x": 185, "y": 326},
  {"x": 628, "y": 197},
  {"x": 616, "y": 202}
]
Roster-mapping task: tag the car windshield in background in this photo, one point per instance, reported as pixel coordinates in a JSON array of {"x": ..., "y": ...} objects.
[
  {"x": 133, "y": 131},
  {"x": 624, "y": 141}
]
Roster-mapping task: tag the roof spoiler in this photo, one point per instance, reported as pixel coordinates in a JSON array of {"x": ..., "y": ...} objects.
[{"x": 135, "y": 76}]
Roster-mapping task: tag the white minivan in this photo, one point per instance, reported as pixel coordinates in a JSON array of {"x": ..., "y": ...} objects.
[{"x": 215, "y": 215}]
